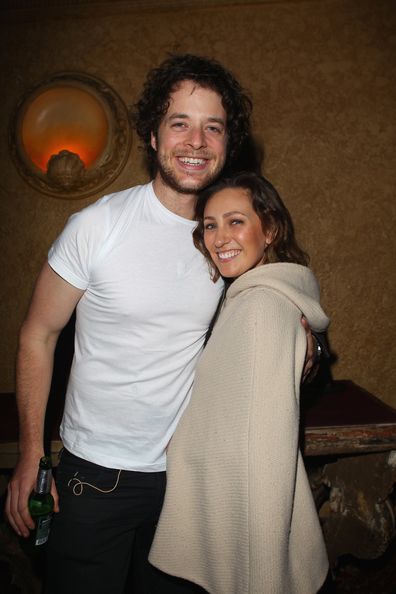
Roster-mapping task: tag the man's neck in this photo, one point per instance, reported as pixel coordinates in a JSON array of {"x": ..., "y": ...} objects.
[{"x": 181, "y": 204}]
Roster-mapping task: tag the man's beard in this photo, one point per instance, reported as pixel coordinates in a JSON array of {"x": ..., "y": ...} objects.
[{"x": 170, "y": 178}]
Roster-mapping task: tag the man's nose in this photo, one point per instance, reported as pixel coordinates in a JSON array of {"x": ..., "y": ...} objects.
[{"x": 196, "y": 138}]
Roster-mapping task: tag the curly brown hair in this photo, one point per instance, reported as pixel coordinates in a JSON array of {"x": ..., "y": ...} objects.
[
  {"x": 207, "y": 73},
  {"x": 270, "y": 209}
]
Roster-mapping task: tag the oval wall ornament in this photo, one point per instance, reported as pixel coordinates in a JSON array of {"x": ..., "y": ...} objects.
[{"x": 70, "y": 135}]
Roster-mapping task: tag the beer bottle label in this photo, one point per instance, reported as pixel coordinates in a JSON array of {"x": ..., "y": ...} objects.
[{"x": 43, "y": 525}]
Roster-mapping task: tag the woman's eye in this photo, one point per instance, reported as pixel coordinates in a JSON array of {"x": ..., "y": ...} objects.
[
  {"x": 236, "y": 222},
  {"x": 209, "y": 226}
]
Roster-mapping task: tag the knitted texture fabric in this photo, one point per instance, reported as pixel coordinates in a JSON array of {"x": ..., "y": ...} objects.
[{"x": 239, "y": 516}]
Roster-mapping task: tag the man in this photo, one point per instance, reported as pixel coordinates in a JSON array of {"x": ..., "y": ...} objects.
[{"x": 144, "y": 300}]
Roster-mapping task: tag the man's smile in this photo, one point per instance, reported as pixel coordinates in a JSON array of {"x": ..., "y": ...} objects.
[{"x": 192, "y": 160}]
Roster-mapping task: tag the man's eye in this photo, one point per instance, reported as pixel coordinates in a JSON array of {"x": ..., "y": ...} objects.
[
  {"x": 178, "y": 125},
  {"x": 215, "y": 129}
]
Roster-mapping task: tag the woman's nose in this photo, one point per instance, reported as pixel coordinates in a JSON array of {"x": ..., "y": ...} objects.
[{"x": 221, "y": 238}]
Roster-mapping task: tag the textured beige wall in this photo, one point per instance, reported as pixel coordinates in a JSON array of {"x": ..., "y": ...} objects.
[{"x": 323, "y": 81}]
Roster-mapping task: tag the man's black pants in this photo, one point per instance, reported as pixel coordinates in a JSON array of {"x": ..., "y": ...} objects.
[{"x": 100, "y": 539}]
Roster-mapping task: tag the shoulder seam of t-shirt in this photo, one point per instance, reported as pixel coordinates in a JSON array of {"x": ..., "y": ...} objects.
[{"x": 108, "y": 224}]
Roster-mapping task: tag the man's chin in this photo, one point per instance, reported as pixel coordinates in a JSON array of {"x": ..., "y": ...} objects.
[
  {"x": 190, "y": 184},
  {"x": 191, "y": 188}
]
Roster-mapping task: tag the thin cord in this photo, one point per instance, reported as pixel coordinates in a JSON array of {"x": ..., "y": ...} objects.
[{"x": 78, "y": 486}]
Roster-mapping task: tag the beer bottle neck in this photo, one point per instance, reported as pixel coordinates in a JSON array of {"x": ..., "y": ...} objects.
[{"x": 43, "y": 484}]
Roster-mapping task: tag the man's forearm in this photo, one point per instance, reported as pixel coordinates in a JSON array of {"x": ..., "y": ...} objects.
[
  {"x": 34, "y": 373},
  {"x": 52, "y": 304}
]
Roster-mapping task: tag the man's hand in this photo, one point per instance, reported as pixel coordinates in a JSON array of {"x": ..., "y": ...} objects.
[
  {"x": 20, "y": 486},
  {"x": 310, "y": 356}
]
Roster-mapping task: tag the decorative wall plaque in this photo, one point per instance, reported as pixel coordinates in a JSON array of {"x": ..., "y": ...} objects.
[{"x": 70, "y": 135}]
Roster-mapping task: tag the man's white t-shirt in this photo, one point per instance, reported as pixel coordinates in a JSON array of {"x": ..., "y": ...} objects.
[{"x": 140, "y": 327}]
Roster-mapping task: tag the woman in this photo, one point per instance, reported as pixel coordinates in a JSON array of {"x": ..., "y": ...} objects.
[{"x": 239, "y": 516}]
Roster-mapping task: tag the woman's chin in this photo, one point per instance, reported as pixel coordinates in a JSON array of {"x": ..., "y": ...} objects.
[{"x": 228, "y": 272}]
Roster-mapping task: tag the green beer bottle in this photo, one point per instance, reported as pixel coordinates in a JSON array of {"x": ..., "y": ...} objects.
[{"x": 41, "y": 502}]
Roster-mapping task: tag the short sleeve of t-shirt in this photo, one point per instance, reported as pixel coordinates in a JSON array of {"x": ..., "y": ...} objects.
[{"x": 75, "y": 251}]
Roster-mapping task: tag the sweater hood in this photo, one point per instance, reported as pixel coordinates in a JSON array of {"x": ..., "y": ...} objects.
[{"x": 296, "y": 282}]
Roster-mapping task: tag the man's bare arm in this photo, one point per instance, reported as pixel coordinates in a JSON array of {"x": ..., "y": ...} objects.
[{"x": 53, "y": 302}]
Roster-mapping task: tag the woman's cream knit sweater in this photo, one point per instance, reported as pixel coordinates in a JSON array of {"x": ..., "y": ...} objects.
[{"x": 239, "y": 516}]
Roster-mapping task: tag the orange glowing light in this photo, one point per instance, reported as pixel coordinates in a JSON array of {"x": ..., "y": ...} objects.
[{"x": 64, "y": 118}]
